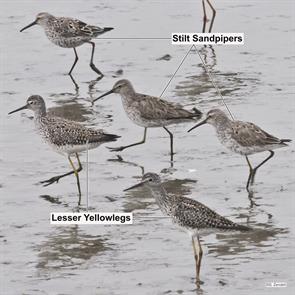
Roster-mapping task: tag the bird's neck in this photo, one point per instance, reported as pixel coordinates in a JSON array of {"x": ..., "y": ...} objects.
[
  {"x": 162, "y": 198},
  {"x": 222, "y": 124},
  {"x": 128, "y": 95},
  {"x": 40, "y": 113}
]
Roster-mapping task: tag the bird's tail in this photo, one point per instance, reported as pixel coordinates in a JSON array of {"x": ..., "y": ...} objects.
[
  {"x": 107, "y": 29},
  {"x": 110, "y": 137},
  {"x": 285, "y": 140},
  {"x": 197, "y": 112}
]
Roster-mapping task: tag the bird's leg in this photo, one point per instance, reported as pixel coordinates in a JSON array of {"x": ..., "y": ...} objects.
[
  {"x": 198, "y": 253},
  {"x": 58, "y": 177},
  {"x": 77, "y": 175},
  {"x": 92, "y": 66},
  {"x": 171, "y": 143},
  {"x": 205, "y": 16},
  {"x": 76, "y": 59},
  {"x": 121, "y": 148},
  {"x": 213, "y": 15},
  {"x": 70, "y": 72},
  {"x": 250, "y": 173},
  {"x": 258, "y": 166}
]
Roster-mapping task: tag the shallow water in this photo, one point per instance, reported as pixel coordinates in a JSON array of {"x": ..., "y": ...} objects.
[{"x": 151, "y": 256}]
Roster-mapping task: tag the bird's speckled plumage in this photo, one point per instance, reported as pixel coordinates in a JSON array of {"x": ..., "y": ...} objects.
[
  {"x": 244, "y": 138},
  {"x": 67, "y": 32},
  {"x": 65, "y": 136},
  {"x": 150, "y": 111},
  {"x": 189, "y": 214}
]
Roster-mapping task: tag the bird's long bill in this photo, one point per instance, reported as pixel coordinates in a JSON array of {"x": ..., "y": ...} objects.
[
  {"x": 136, "y": 185},
  {"x": 28, "y": 26},
  {"x": 19, "y": 109},
  {"x": 103, "y": 95},
  {"x": 198, "y": 125}
]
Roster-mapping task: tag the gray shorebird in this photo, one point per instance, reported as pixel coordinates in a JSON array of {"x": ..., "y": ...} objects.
[
  {"x": 205, "y": 19},
  {"x": 244, "y": 138},
  {"x": 64, "y": 136},
  {"x": 150, "y": 111},
  {"x": 192, "y": 216},
  {"x": 68, "y": 32}
]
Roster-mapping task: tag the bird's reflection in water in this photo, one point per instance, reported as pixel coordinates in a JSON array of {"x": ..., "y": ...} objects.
[
  {"x": 198, "y": 86},
  {"x": 68, "y": 247},
  {"x": 261, "y": 237}
]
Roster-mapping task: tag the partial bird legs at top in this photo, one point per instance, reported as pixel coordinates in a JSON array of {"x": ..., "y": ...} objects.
[
  {"x": 205, "y": 16},
  {"x": 74, "y": 171},
  {"x": 253, "y": 171}
]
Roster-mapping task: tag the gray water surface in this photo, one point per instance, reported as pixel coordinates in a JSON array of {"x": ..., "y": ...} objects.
[{"x": 151, "y": 256}]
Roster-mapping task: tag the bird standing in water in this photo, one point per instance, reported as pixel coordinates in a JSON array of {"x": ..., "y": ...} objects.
[
  {"x": 243, "y": 138},
  {"x": 190, "y": 215},
  {"x": 68, "y": 32},
  {"x": 150, "y": 111},
  {"x": 64, "y": 136}
]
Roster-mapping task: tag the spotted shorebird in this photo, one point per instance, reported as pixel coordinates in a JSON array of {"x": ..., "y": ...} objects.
[
  {"x": 68, "y": 32},
  {"x": 149, "y": 111},
  {"x": 192, "y": 216},
  {"x": 205, "y": 19},
  {"x": 244, "y": 138},
  {"x": 64, "y": 136}
]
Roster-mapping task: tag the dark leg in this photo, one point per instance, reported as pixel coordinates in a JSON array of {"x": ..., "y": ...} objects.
[
  {"x": 92, "y": 66},
  {"x": 205, "y": 16},
  {"x": 121, "y": 148},
  {"x": 76, "y": 59},
  {"x": 171, "y": 143},
  {"x": 250, "y": 173},
  {"x": 213, "y": 15},
  {"x": 258, "y": 166}
]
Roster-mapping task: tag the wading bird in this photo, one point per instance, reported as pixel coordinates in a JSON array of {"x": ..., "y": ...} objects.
[
  {"x": 243, "y": 138},
  {"x": 150, "y": 111},
  {"x": 64, "y": 136},
  {"x": 190, "y": 215}
]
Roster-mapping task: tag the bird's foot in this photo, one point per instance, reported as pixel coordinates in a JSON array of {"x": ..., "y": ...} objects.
[
  {"x": 116, "y": 149},
  {"x": 50, "y": 180}
]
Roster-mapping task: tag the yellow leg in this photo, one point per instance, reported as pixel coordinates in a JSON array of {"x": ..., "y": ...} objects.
[
  {"x": 76, "y": 172},
  {"x": 198, "y": 253}
]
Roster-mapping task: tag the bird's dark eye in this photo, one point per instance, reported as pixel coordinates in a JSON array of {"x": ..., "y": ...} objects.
[{"x": 150, "y": 180}]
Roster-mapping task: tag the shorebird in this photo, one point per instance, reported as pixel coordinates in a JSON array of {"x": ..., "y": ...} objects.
[
  {"x": 190, "y": 215},
  {"x": 244, "y": 138},
  {"x": 64, "y": 136},
  {"x": 205, "y": 19},
  {"x": 68, "y": 32},
  {"x": 149, "y": 111}
]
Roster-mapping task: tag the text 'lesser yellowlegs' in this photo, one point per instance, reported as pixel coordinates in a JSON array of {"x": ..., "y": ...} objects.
[
  {"x": 244, "y": 138},
  {"x": 190, "y": 215},
  {"x": 64, "y": 136},
  {"x": 150, "y": 111}
]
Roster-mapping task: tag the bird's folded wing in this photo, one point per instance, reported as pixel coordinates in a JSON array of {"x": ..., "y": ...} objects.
[
  {"x": 191, "y": 213},
  {"x": 249, "y": 134},
  {"x": 64, "y": 132},
  {"x": 153, "y": 108}
]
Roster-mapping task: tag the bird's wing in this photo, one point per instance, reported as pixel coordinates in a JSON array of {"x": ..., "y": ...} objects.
[
  {"x": 70, "y": 27},
  {"x": 61, "y": 131},
  {"x": 193, "y": 214},
  {"x": 154, "y": 108},
  {"x": 249, "y": 134}
]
